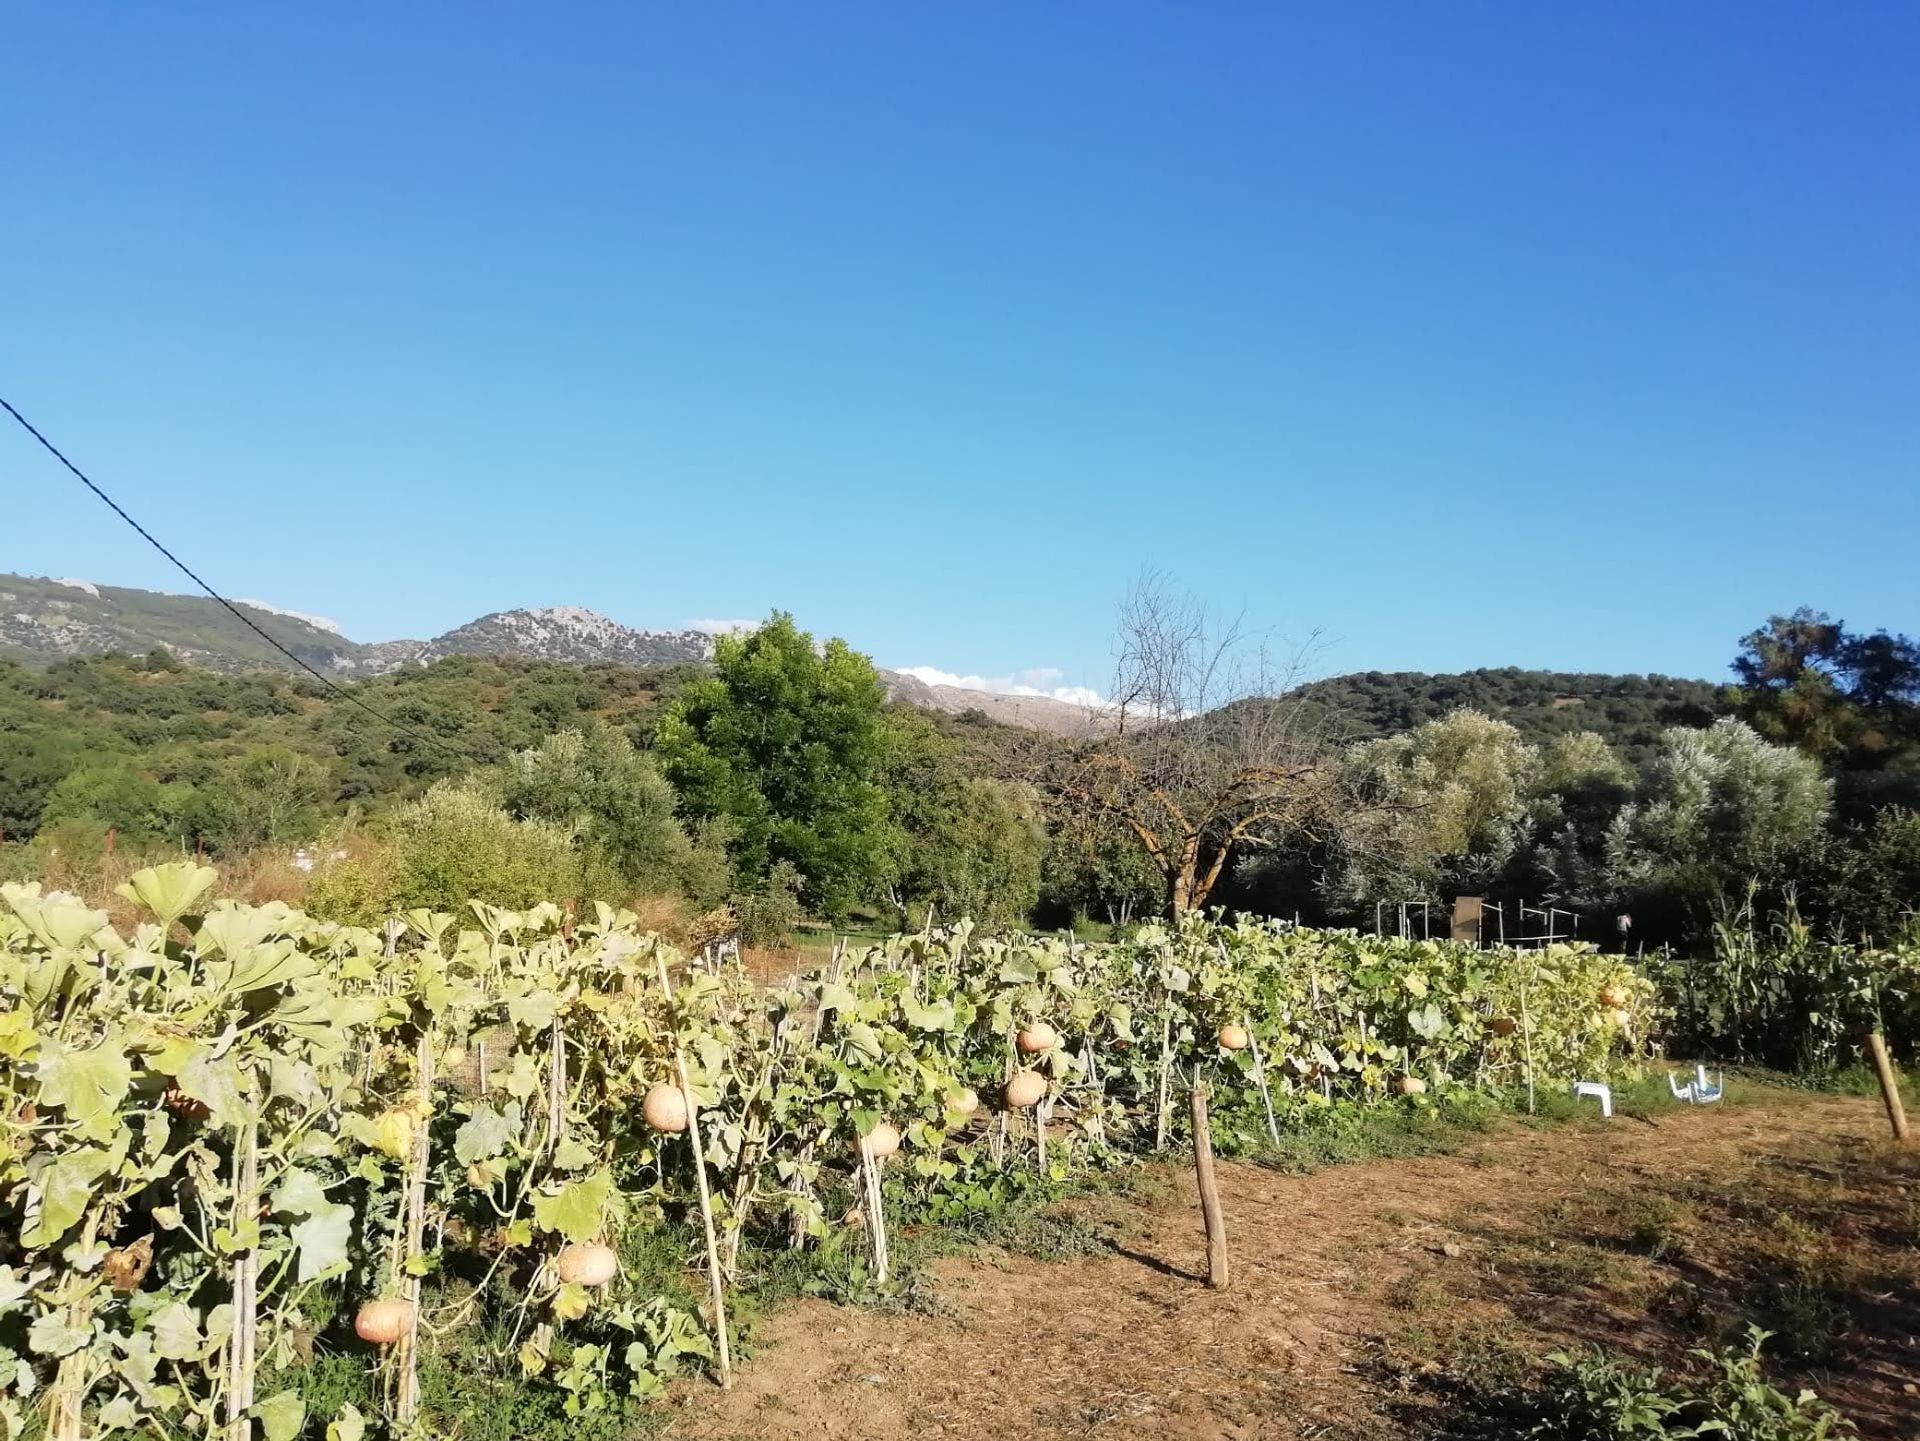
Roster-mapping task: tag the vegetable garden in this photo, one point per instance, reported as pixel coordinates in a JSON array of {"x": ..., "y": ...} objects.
[{"x": 240, "y": 1138}]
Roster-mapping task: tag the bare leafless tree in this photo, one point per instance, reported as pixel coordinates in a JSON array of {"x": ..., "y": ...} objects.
[{"x": 1203, "y": 756}]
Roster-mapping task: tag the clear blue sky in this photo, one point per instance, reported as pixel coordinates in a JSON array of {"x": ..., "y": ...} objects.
[{"x": 1468, "y": 334}]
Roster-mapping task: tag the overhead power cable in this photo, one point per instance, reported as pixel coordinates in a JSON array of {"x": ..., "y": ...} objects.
[{"x": 238, "y": 614}]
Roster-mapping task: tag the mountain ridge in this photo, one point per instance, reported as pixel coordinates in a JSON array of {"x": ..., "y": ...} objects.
[{"x": 44, "y": 620}]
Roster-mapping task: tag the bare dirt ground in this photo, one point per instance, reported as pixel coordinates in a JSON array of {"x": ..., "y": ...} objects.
[{"x": 1355, "y": 1286}]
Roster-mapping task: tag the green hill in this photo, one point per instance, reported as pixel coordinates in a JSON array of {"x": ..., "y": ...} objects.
[{"x": 1629, "y": 711}]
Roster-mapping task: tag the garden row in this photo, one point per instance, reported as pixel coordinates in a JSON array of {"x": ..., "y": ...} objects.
[{"x": 240, "y": 1137}]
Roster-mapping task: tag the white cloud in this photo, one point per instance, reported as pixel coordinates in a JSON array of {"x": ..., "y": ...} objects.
[
  {"x": 1035, "y": 681},
  {"x": 315, "y": 620},
  {"x": 724, "y": 627}
]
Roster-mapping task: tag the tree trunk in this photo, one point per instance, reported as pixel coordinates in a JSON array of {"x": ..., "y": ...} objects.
[{"x": 1184, "y": 880}]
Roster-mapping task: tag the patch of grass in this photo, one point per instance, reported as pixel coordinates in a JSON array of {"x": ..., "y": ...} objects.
[
  {"x": 1417, "y": 1291},
  {"x": 1318, "y": 1136}
]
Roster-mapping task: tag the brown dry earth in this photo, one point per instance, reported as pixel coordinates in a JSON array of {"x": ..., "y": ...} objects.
[{"x": 1133, "y": 1344}]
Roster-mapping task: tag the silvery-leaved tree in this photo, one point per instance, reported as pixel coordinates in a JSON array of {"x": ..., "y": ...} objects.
[{"x": 1201, "y": 755}]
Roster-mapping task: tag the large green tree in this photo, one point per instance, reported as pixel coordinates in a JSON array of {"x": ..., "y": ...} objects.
[
  {"x": 786, "y": 741},
  {"x": 1845, "y": 699},
  {"x": 960, "y": 843}
]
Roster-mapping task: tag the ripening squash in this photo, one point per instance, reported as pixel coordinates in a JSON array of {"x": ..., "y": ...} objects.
[
  {"x": 966, "y": 1103},
  {"x": 883, "y": 1140},
  {"x": 666, "y": 1108},
  {"x": 1037, "y": 1039},
  {"x": 1234, "y": 1038},
  {"x": 1410, "y": 1086},
  {"x": 1503, "y": 1025},
  {"x": 1614, "y": 997},
  {"x": 1025, "y": 1088},
  {"x": 1620, "y": 1018},
  {"x": 383, "y": 1322},
  {"x": 590, "y": 1264}
]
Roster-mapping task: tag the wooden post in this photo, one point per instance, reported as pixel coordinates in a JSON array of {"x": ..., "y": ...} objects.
[
  {"x": 1889, "y": 1088},
  {"x": 1209, "y": 1192}
]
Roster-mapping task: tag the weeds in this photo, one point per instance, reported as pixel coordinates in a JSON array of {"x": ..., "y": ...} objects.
[{"x": 1596, "y": 1398}]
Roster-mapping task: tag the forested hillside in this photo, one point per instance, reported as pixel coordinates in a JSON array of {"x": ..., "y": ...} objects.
[
  {"x": 1627, "y": 711},
  {"x": 159, "y": 749},
  {"x": 779, "y": 779}
]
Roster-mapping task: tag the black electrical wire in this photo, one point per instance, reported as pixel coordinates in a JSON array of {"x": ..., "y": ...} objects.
[{"x": 238, "y": 614}]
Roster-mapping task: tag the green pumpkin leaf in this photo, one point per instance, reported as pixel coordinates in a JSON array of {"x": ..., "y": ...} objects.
[
  {"x": 60, "y": 1196},
  {"x": 934, "y": 1016},
  {"x": 322, "y": 1240},
  {"x": 486, "y": 1133},
  {"x": 215, "y": 1083},
  {"x": 122, "y": 1413},
  {"x": 533, "y": 1011},
  {"x": 88, "y": 1085},
  {"x": 281, "y": 1415},
  {"x": 59, "y": 922},
  {"x": 168, "y": 891},
  {"x": 578, "y": 1210},
  {"x": 300, "y": 1193},
  {"x": 176, "y": 1332},
  {"x": 836, "y": 997},
  {"x": 54, "y": 1335}
]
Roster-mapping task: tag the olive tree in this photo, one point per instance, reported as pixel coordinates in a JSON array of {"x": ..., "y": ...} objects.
[
  {"x": 1716, "y": 811},
  {"x": 1451, "y": 805}
]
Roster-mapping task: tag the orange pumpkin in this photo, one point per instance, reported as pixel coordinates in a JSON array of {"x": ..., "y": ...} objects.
[
  {"x": 666, "y": 1108},
  {"x": 383, "y": 1322},
  {"x": 1025, "y": 1088},
  {"x": 590, "y": 1264}
]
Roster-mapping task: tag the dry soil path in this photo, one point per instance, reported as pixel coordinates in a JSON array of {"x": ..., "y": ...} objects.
[{"x": 1131, "y": 1344}]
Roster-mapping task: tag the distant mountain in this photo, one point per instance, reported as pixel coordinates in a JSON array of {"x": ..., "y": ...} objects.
[
  {"x": 1028, "y": 712},
  {"x": 569, "y": 634},
  {"x": 42, "y": 621}
]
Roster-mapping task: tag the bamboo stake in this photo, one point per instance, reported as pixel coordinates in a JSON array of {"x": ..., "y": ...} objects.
[
  {"x": 715, "y": 1282},
  {"x": 876, "y": 1208},
  {"x": 1889, "y": 1088},
  {"x": 1210, "y": 1212},
  {"x": 1166, "y": 1073},
  {"x": 556, "y": 1086},
  {"x": 241, "y": 1347},
  {"x": 1003, "y": 1132},
  {"x": 65, "y": 1422},
  {"x": 1260, "y": 1079},
  {"x": 1526, "y": 1036},
  {"x": 407, "y": 1405},
  {"x": 1040, "y": 1132}
]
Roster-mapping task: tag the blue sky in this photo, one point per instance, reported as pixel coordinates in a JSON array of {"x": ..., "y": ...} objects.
[{"x": 1463, "y": 334}]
